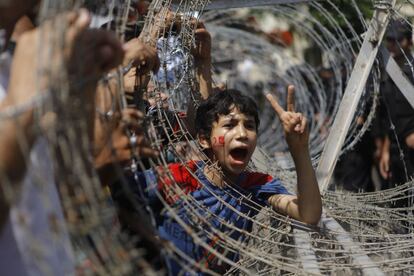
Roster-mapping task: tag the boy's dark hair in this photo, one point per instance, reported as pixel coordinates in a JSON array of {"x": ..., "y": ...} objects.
[{"x": 219, "y": 104}]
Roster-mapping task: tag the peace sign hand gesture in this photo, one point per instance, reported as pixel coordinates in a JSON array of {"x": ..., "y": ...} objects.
[{"x": 294, "y": 124}]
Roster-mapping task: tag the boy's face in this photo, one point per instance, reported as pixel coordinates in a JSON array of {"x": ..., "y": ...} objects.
[{"x": 233, "y": 140}]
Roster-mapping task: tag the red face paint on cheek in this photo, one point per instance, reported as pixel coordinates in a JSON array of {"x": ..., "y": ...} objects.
[
  {"x": 221, "y": 140},
  {"x": 218, "y": 141}
]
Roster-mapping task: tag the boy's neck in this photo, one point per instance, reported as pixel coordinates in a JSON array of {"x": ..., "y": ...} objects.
[{"x": 219, "y": 177}]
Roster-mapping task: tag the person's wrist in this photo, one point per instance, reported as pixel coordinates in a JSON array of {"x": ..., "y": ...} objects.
[{"x": 298, "y": 150}]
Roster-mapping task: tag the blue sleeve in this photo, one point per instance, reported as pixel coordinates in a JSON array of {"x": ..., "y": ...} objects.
[{"x": 263, "y": 192}]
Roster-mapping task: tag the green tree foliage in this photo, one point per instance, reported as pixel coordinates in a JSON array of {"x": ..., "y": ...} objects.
[{"x": 348, "y": 12}]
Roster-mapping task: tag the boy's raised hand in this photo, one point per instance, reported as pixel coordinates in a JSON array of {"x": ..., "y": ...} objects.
[
  {"x": 294, "y": 124},
  {"x": 307, "y": 205}
]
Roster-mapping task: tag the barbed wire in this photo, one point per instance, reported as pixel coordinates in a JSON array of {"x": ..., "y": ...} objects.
[{"x": 382, "y": 231}]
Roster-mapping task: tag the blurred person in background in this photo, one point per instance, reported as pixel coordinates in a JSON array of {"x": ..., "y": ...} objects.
[
  {"x": 26, "y": 222},
  {"x": 396, "y": 111}
]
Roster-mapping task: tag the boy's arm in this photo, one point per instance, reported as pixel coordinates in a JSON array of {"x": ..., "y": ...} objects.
[{"x": 307, "y": 205}]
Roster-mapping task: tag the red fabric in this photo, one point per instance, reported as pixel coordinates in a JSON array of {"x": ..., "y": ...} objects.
[
  {"x": 188, "y": 183},
  {"x": 182, "y": 177},
  {"x": 182, "y": 116},
  {"x": 255, "y": 179}
]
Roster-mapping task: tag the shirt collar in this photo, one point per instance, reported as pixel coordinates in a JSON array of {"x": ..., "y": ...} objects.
[{"x": 203, "y": 178}]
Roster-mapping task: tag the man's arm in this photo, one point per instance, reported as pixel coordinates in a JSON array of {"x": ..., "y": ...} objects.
[
  {"x": 112, "y": 145},
  {"x": 202, "y": 63},
  {"x": 384, "y": 157},
  {"x": 120, "y": 148},
  {"x": 307, "y": 205},
  {"x": 26, "y": 83},
  {"x": 202, "y": 60}
]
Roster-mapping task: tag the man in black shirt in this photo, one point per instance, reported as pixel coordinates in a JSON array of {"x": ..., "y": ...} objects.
[{"x": 397, "y": 111}]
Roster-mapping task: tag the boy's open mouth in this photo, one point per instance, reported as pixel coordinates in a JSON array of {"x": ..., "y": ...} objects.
[{"x": 239, "y": 154}]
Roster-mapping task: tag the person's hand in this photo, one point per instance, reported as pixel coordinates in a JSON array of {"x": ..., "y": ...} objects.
[
  {"x": 379, "y": 142},
  {"x": 159, "y": 98},
  {"x": 294, "y": 124},
  {"x": 61, "y": 55},
  {"x": 90, "y": 52},
  {"x": 141, "y": 56},
  {"x": 202, "y": 49},
  {"x": 138, "y": 11},
  {"x": 163, "y": 22},
  {"x": 384, "y": 164},
  {"x": 409, "y": 140},
  {"x": 360, "y": 121},
  {"x": 142, "y": 59},
  {"x": 121, "y": 147},
  {"x": 202, "y": 59}
]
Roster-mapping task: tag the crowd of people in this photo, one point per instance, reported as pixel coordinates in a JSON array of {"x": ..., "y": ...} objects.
[
  {"x": 383, "y": 158},
  {"x": 225, "y": 124},
  {"x": 223, "y": 121}
]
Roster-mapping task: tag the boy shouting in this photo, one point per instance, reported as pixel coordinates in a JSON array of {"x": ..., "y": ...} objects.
[{"x": 226, "y": 197}]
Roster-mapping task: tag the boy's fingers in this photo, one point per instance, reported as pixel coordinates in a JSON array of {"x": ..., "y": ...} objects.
[
  {"x": 295, "y": 118},
  {"x": 275, "y": 104},
  {"x": 291, "y": 98},
  {"x": 300, "y": 122},
  {"x": 303, "y": 124}
]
